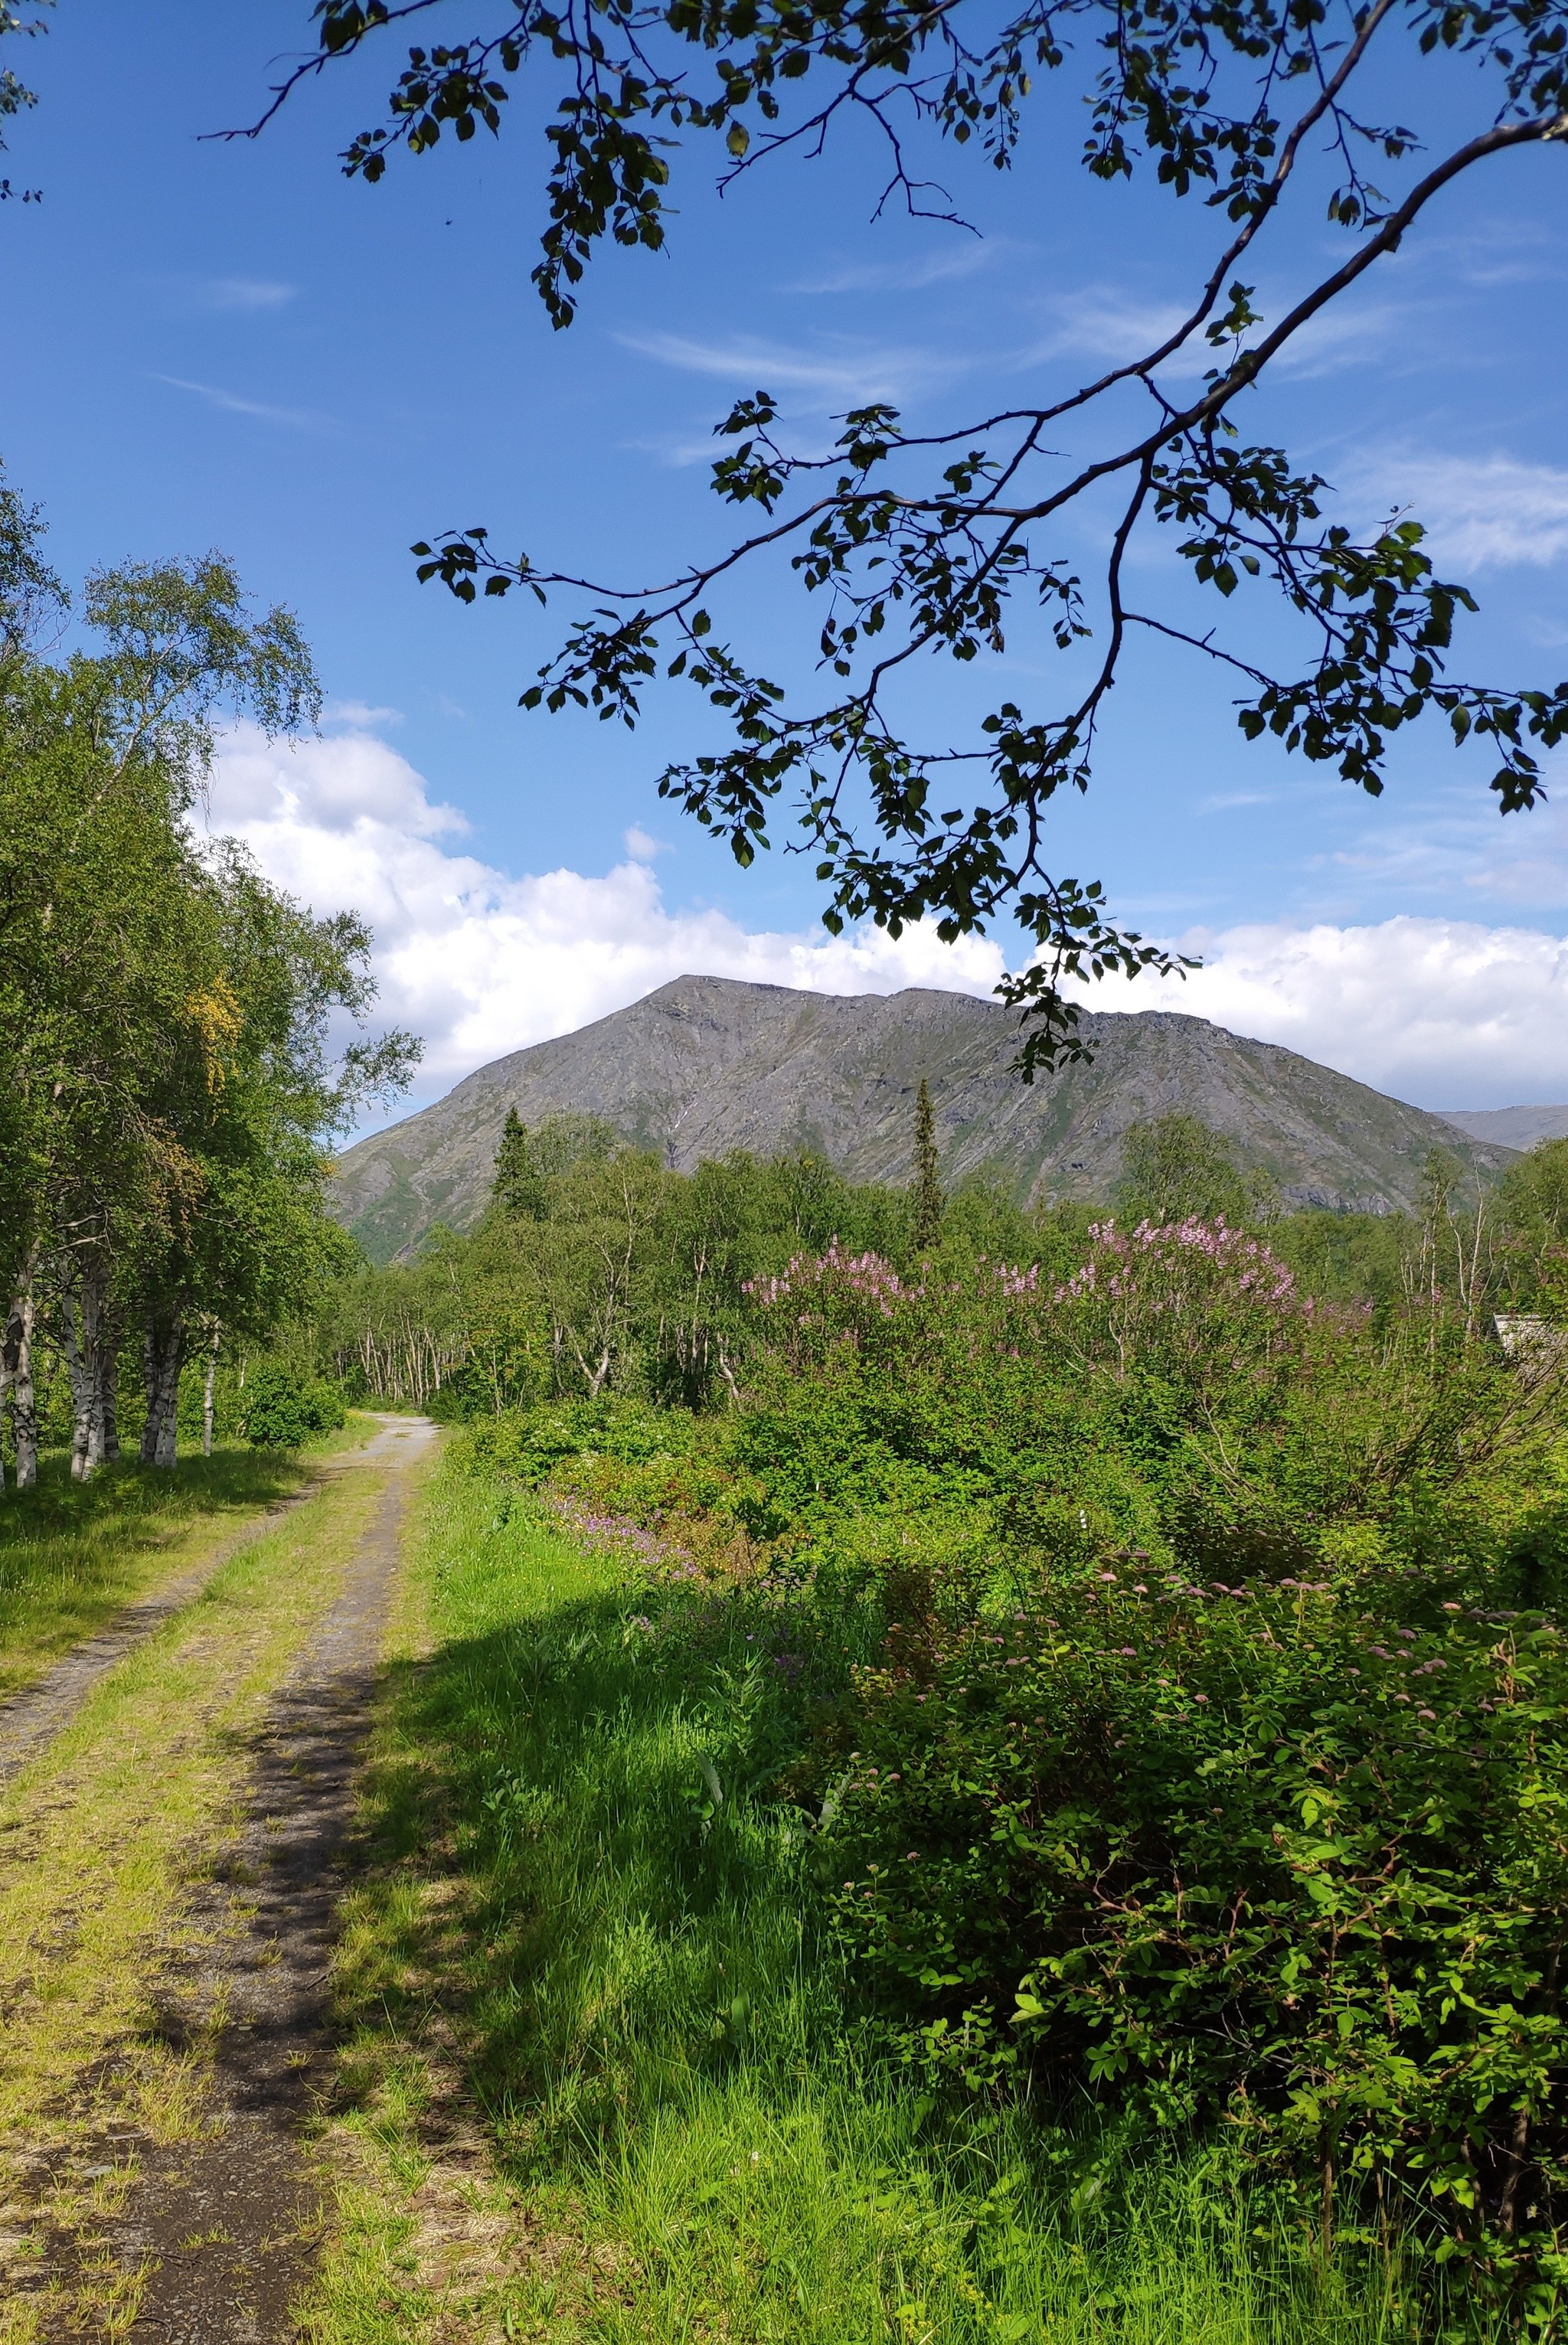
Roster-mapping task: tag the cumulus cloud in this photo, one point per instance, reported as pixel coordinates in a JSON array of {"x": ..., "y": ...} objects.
[
  {"x": 480, "y": 962},
  {"x": 1449, "y": 1013}
]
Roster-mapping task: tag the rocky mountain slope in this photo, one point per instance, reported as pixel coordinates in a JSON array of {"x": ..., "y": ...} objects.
[{"x": 707, "y": 1065}]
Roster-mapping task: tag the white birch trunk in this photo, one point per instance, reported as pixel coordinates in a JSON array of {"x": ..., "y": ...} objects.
[
  {"x": 207, "y": 1390},
  {"x": 18, "y": 1357},
  {"x": 106, "y": 1367},
  {"x": 81, "y": 1331},
  {"x": 163, "y": 1349}
]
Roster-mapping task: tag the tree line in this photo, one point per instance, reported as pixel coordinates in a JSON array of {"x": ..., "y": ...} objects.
[
  {"x": 596, "y": 1269},
  {"x": 167, "y": 1080}
]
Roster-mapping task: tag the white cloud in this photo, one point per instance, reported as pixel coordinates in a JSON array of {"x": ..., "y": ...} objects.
[
  {"x": 1479, "y": 511},
  {"x": 1102, "y": 322},
  {"x": 940, "y": 267},
  {"x": 359, "y": 716},
  {"x": 1444, "y": 1012},
  {"x": 831, "y": 373},
  {"x": 479, "y": 962},
  {"x": 230, "y": 403},
  {"x": 246, "y": 293},
  {"x": 1448, "y": 1014}
]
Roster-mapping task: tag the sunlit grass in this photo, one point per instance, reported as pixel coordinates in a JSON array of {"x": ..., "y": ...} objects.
[
  {"x": 72, "y": 1553},
  {"x": 686, "y": 2132}
]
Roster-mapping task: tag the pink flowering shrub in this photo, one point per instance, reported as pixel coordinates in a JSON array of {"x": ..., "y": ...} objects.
[{"x": 1187, "y": 1295}]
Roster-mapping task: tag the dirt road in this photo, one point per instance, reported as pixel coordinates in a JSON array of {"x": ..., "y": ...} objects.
[{"x": 164, "y": 2016}]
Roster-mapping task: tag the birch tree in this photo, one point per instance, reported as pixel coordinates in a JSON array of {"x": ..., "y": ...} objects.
[{"x": 166, "y": 1080}]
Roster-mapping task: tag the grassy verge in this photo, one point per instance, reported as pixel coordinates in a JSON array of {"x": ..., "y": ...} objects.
[
  {"x": 98, "y": 1839},
  {"x": 72, "y": 1553},
  {"x": 602, "y": 2082}
]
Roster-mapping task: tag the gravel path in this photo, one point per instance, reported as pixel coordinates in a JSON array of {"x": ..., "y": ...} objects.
[{"x": 35, "y": 1715}]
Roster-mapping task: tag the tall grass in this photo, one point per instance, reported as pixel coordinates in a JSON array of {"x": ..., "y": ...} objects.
[{"x": 667, "y": 2050}]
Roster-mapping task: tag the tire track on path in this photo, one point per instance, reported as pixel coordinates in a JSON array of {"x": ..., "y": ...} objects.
[
  {"x": 32, "y": 1718},
  {"x": 218, "y": 2235}
]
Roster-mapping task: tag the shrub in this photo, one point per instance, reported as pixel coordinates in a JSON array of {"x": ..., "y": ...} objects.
[
  {"x": 282, "y": 1411},
  {"x": 1287, "y": 1858},
  {"x": 531, "y": 1443}
]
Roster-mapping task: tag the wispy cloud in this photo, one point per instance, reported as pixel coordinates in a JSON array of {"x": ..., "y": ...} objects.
[
  {"x": 1481, "y": 512},
  {"x": 231, "y": 403},
  {"x": 829, "y": 374},
  {"x": 1106, "y": 323},
  {"x": 951, "y": 264},
  {"x": 246, "y": 293},
  {"x": 183, "y": 294},
  {"x": 1455, "y": 842},
  {"x": 360, "y": 716},
  {"x": 1223, "y": 801},
  {"x": 1493, "y": 252},
  {"x": 1100, "y": 323}
]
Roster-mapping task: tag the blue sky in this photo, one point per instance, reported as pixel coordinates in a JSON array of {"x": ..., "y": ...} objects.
[{"x": 231, "y": 344}]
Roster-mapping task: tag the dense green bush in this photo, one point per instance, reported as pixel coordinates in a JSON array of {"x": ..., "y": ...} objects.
[
  {"x": 1287, "y": 1858},
  {"x": 281, "y": 1411},
  {"x": 1166, "y": 1668},
  {"x": 1219, "y": 1774},
  {"x": 530, "y": 1444}
]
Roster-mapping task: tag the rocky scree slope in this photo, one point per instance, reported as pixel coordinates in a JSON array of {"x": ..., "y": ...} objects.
[{"x": 707, "y": 1065}]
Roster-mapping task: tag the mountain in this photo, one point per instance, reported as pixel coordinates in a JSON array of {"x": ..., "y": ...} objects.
[
  {"x": 1510, "y": 1127},
  {"x": 708, "y": 1064}
]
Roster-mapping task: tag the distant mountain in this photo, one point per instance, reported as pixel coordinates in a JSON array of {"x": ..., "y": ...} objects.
[
  {"x": 707, "y": 1065},
  {"x": 1510, "y": 1127}
]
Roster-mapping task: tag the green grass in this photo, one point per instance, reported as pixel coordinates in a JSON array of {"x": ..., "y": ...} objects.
[
  {"x": 686, "y": 2133},
  {"x": 72, "y": 1553}
]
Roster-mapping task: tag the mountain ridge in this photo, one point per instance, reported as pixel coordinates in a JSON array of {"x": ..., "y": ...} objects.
[
  {"x": 1510, "y": 1127},
  {"x": 704, "y": 1065}
]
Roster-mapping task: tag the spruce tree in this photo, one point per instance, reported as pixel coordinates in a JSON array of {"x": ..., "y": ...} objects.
[
  {"x": 928, "y": 1197},
  {"x": 517, "y": 1187}
]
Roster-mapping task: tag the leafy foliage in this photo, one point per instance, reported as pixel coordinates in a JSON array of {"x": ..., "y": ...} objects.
[
  {"x": 953, "y": 544},
  {"x": 168, "y": 1071},
  {"x": 281, "y": 1413},
  {"x": 1171, "y": 1692}
]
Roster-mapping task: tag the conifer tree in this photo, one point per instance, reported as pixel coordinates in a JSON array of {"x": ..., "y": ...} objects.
[
  {"x": 518, "y": 1187},
  {"x": 928, "y": 1196}
]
